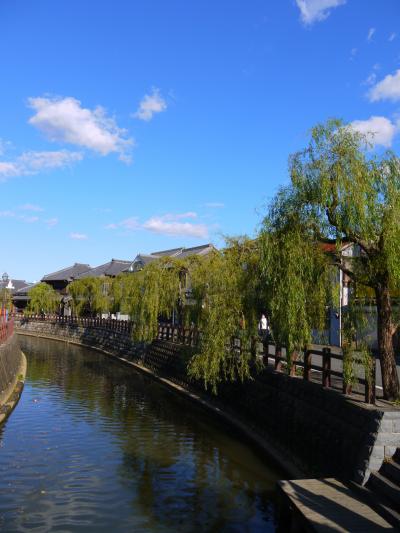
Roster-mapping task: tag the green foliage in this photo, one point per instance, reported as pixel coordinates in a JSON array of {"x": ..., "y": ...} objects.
[
  {"x": 221, "y": 293},
  {"x": 149, "y": 294},
  {"x": 90, "y": 296},
  {"x": 297, "y": 273},
  {"x": 6, "y": 299},
  {"x": 228, "y": 291},
  {"x": 339, "y": 193},
  {"x": 42, "y": 299}
]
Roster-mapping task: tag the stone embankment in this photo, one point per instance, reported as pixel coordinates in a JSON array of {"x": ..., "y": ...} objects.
[
  {"x": 309, "y": 431},
  {"x": 12, "y": 375}
]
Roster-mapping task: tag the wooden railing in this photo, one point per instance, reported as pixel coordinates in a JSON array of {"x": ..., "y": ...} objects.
[
  {"x": 323, "y": 372},
  {"x": 6, "y": 328},
  {"x": 122, "y": 326},
  {"x": 313, "y": 364}
]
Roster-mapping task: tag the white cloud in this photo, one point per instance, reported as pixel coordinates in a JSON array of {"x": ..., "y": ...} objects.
[
  {"x": 392, "y": 36},
  {"x": 214, "y": 205},
  {"x": 65, "y": 120},
  {"x": 16, "y": 216},
  {"x": 33, "y": 162},
  {"x": 169, "y": 224},
  {"x": 29, "y": 220},
  {"x": 8, "y": 169},
  {"x": 353, "y": 53},
  {"x": 379, "y": 130},
  {"x": 51, "y": 222},
  {"x": 176, "y": 229},
  {"x": 316, "y": 10},
  {"x": 386, "y": 89},
  {"x": 371, "y": 33},
  {"x": 7, "y": 214},
  {"x": 130, "y": 223},
  {"x": 370, "y": 80},
  {"x": 78, "y": 236},
  {"x": 150, "y": 105},
  {"x": 31, "y": 207},
  {"x": 4, "y": 146}
]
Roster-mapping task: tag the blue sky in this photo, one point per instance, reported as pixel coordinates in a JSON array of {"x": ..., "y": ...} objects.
[{"x": 132, "y": 127}]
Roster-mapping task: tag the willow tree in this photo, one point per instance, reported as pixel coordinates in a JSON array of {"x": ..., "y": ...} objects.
[
  {"x": 89, "y": 296},
  {"x": 229, "y": 296},
  {"x": 42, "y": 299},
  {"x": 149, "y": 294},
  {"x": 342, "y": 193}
]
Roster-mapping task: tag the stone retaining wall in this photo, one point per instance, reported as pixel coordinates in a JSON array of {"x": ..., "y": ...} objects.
[
  {"x": 12, "y": 373},
  {"x": 317, "y": 432}
]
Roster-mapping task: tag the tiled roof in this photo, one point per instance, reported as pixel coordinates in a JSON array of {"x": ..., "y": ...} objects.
[
  {"x": 16, "y": 284},
  {"x": 22, "y": 293},
  {"x": 112, "y": 268},
  {"x": 68, "y": 273},
  {"x": 179, "y": 253}
]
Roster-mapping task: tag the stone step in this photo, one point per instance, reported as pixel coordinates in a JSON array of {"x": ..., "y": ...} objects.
[
  {"x": 391, "y": 470},
  {"x": 385, "y": 487},
  {"x": 382, "y": 505}
]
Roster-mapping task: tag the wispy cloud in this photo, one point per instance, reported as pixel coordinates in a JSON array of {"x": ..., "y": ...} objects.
[
  {"x": 31, "y": 207},
  {"x": 392, "y": 36},
  {"x": 78, "y": 236},
  {"x": 51, "y": 222},
  {"x": 150, "y": 105},
  {"x": 316, "y": 10},
  {"x": 371, "y": 33},
  {"x": 17, "y": 216},
  {"x": 386, "y": 89},
  {"x": 169, "y": 224},
  {"x": 214, "y": 205},
  {"x": 379, "y": 130},
  {"x": 370, "y": 80},
  {"x": 33, "y": 162},
  {"x": 65, "y": 120},
  {"x": 176, "y": 229}
]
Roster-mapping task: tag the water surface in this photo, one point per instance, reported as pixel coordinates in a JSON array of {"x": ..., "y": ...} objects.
[{"x": 93, "y": 446}]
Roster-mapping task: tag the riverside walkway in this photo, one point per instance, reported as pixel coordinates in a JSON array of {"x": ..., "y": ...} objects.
[{"x": 327, "y": 505}]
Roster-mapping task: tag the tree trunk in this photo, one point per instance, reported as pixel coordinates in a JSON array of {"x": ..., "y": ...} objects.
[{"x": 390, "y": 380}]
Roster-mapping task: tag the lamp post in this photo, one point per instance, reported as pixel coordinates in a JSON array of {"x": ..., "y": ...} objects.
[{"x": 5, "y": 279}]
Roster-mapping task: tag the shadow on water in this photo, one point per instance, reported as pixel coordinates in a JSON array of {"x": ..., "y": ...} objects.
[{"x": 95, "y": 446}]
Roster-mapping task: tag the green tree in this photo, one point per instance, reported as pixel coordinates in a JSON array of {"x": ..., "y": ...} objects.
[
  {"x": 229, "y": 296},
  {"x": 42, "y": 299},
  {"x": 90, "y": 296},
  {"x": 342, "y": 193},
  {"x": 148, "y": 294}
]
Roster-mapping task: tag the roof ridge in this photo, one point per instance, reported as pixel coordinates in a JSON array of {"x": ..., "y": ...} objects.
[{"x": 66, "y": 268}]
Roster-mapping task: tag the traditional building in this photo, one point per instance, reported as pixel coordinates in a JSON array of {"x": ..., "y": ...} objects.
[
  {"x": 141, "y": 260},
  {"x": 110, "y": 269},
  {"x": 59, "y": 280}
]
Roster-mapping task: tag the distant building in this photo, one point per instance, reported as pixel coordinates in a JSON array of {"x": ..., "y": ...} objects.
[
  {"x": 15, "y": 286},
  {"x": 141, "y": 260},
  {"x": 59, "y": 280},
  {"x": 110, "y": 269}
]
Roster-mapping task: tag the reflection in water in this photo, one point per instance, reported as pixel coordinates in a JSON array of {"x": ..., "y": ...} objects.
[{"x": 94, "y": 446}]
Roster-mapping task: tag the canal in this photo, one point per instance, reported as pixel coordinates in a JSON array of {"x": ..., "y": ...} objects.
[{"x": 94, "y": 446}]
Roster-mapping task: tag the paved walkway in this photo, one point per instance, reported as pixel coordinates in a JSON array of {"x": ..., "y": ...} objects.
[{"x": 327, "y": 506}]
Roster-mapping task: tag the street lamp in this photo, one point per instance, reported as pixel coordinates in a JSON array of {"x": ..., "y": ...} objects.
[{"x": 5, "y": 279}]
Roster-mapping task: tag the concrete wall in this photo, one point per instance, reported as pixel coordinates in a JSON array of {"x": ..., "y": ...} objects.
[{"x": 318, "y": 433}]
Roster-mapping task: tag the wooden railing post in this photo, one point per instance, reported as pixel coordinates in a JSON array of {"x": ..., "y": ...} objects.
[
  {"x": 326, "y": 367},
  {"x": 293, "y": 365},
  {"x": 370, "y": 383},
  {"x": 278, "y": 355},
  {"x": 307, "y": 364}
]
